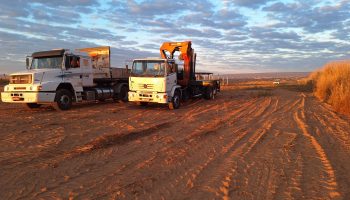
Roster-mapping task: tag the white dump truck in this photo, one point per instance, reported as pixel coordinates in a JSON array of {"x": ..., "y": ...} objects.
[{"x": 60, "y": 77}]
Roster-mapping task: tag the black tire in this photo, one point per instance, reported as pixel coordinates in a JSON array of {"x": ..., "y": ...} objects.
[
  {"x": 63, "y": 100},
  {"x": 185, "y": 95},
  {"x": 123, "y": 94},
  {"x": 175, "y": 101},
  {"x": 209, "y": 93},
  {"x": 32, "y": 105}
]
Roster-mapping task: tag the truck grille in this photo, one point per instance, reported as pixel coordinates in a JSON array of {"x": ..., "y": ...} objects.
[
  {"x": 146, "y": 86},
  {"x": 21, "y": 79},
  {"x": 20, "y": 88}
]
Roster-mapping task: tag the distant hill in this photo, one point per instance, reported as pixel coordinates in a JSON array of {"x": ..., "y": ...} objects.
[{"x": 270, "y": 75}]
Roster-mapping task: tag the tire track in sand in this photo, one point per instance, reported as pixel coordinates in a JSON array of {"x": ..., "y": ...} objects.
[
  {"x": 239, "y": 146},
  {"x": 180, "y": 157},
  {"x": 146, "y": 162},
  {"x": 181, "y": 152},
  {"x": 329, "y": 180}
]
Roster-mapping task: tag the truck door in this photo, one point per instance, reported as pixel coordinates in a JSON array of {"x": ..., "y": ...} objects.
[
  {"x": 86, "y": 69},
  {"x": 73, "y": 73},
  {"x": 171, "y": 79}
]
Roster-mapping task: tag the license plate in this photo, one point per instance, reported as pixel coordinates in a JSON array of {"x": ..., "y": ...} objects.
[{"x": 16, "y": 98}]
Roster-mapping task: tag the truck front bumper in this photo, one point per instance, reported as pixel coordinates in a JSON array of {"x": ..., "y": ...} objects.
[
  {"x": 148, "y": 97},
  {"x": 27, "y": 97}
]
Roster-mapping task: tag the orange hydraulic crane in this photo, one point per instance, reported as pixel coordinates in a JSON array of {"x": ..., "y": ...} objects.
[{"x": 167, "y": 51}]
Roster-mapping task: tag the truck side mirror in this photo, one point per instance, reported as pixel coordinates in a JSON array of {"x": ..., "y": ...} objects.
[{"x": 28, "y": 62}]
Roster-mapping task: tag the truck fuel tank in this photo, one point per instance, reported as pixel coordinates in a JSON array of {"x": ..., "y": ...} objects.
[
  {"x": 103, "y": 93},
  {"x": 98, "y": 94}
]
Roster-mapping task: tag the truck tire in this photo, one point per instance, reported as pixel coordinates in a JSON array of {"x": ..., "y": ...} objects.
[
  {"x": 209, "y": 93},
  {"x": 63, "y": 100},
  {"x": 175, "y": 101},
  {"x": 123, "y": 95},
  {"x": 32, "y": 105}
]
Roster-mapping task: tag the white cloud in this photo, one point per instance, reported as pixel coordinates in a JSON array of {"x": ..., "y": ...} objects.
[{"x": 231, "y": 36}]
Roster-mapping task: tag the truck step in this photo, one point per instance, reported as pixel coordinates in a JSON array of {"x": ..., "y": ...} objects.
[
  {"x": 198, "y": 95},
  {"x": 79, "y": 97}
]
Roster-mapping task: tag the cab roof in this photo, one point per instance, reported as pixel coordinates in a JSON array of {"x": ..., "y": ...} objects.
[{"x": 56, "y": 52}]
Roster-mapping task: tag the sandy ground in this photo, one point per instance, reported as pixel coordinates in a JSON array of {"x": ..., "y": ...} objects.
[{"x": 286, "y": 145}]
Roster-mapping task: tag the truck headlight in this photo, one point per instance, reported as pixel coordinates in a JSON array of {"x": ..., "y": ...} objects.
[{"x": 39, "y": 87}]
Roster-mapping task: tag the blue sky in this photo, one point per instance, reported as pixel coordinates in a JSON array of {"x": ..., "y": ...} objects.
[{"x": 230, "y": 36}]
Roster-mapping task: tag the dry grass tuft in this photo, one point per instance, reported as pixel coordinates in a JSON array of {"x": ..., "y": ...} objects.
[
  {"x": 332, "y": 85},
  {"x": 301, "y": 85}
]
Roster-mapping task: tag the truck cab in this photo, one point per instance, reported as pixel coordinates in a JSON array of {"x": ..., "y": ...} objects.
[
  {"x": 46, "y": 70},
  {"x": 153, "y": 80}
]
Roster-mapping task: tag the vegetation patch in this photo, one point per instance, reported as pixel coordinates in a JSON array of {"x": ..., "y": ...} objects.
[{"x": 332, "y": 85}]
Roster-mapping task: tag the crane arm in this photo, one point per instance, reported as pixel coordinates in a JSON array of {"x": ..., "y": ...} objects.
[{"x": 186, "y": 54}]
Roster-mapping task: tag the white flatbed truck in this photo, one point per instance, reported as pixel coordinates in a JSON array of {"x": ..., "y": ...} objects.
[{"x": 164, "y": 81}]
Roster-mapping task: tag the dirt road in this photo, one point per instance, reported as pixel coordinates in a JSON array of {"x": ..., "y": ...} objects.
[{"x": 239, "y": 146}]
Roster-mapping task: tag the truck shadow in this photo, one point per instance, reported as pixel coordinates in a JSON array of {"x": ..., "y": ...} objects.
[
  {"x": 184, "y": 104},
  {"x": 122, "y": 105}
]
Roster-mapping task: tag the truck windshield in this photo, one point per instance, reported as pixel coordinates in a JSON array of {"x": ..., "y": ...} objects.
[
  {"x": 148, "y": 68},
  {"x": 47, "y": 62}
]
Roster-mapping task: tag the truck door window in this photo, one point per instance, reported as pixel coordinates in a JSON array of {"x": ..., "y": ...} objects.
[
  {"x": 75, "y": 62},
  {"x": 72, "y": 62},
  {"x": 170, "y": 68}
]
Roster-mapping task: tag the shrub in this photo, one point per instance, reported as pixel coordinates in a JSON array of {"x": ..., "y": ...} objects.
[{"x": 332, "y": 85}]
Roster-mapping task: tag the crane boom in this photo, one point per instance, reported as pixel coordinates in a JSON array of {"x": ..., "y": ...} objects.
[{"x": 167, "y": 51}]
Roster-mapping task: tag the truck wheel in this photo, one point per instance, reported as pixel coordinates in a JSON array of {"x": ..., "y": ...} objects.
[
  {"x": 63, "y": 100},
  {"x": 175, "y": 101},
  {"x": 209, "y": 93},
  {"x": 123, "y": 95},
  {"x": 32, "y": 105}
]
